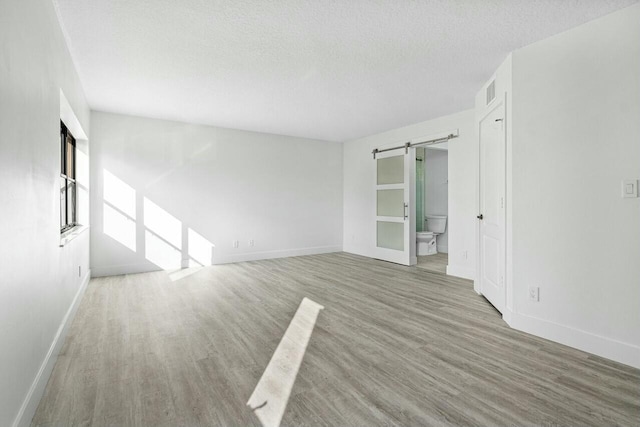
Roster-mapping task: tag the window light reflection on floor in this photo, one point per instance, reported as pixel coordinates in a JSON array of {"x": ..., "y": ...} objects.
[{"x": 270, "y": 397}]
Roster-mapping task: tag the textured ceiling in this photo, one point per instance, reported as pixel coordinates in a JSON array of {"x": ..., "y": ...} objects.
[{"x": 325, "y": 69}]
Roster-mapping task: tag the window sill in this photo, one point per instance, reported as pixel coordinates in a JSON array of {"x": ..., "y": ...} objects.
[{"x": 69, "y": 235}]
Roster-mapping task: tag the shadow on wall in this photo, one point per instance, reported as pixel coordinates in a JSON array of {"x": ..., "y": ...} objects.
[{"x": 168, "y": 243}]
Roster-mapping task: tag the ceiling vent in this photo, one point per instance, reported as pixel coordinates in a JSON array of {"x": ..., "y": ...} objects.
[{"x": 491, "y": 92}]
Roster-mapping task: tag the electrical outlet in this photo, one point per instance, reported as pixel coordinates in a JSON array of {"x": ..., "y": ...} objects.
[
  {"x": 534, "y": 293},
  {"x": 630, "y": 188},
  {"x": 251, "y": 242},
  {"x": 236, "y": 244}
]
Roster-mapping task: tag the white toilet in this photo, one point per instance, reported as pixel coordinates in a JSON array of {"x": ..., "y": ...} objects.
[{"x": 426, "y": 240}]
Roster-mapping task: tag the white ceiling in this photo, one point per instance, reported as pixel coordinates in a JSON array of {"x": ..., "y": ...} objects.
[{"x": 326, "y": 69}]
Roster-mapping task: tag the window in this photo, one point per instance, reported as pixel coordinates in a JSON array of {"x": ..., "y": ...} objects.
[{"x": 67, "y": 179}]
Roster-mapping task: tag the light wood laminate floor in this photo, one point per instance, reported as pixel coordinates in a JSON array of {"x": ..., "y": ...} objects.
[
  {"x": 393, "y": 346},
  {"x": 436, "y": 262}
]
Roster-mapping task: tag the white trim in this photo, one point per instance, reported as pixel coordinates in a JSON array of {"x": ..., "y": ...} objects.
[
  {"x": 69, "y": 118},
  {"x": 32, "y": 399},
  {"x": 70, "y": 235},
  {"x": 463, "y": 272},
  {"x": 119, "y": 269},
  {"x": 618, "y": 351},
  {"x": 507, "y": 316},
  {"x": 253, "y": 256},
  {"x": 147, "y": 266}
]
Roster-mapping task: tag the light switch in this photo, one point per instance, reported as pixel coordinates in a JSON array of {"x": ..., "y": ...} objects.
[{"x": 630, "y": 188}]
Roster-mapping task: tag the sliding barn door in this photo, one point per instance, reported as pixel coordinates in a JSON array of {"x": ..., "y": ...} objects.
[{"x": 395, "y": 209}]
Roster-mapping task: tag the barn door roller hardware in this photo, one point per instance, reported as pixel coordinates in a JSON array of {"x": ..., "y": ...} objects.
[{"x": 408, "y": 145}]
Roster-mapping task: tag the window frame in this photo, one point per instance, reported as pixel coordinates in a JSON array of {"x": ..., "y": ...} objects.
[{"x": 68, "y": 174}]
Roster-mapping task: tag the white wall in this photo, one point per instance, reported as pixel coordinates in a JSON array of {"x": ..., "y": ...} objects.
[
  {"x": 283, "y": 193},
  {"x": 359, "y": 196},
  {"x": 436, "y": 189},
  {"x": 39, "y": 279},
  {"x": 576, "y": 137}
]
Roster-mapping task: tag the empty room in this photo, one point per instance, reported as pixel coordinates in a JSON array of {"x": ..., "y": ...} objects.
[{"x": 319, "y": 213}]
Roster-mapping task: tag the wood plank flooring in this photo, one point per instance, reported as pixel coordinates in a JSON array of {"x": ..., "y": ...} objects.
[
  {"x": 436, "y": 262},
  {"x": 393, "y": 346}
]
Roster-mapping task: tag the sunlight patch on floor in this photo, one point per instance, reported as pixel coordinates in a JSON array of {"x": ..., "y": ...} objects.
[
  {"x": 270, "y": 397},
  {"x": 184, "y": 272}
]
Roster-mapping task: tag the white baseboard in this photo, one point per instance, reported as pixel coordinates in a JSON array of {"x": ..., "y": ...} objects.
[
  {"x": 116, "y": 270},
  {"x": 145, "y": 267},
  {"x": 32, "y": 399},
  {"x": 618, "y": 351},
  {"x": 254, "y": 256},
  {"x": 463, "y": 272}
]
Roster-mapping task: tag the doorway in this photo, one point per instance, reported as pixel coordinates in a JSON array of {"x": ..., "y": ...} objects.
[
  {"x": 395, "y": 200},
  {"x": 432, "y": 207}
]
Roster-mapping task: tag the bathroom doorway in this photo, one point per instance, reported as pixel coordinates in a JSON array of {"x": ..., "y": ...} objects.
[{"x": 432, "y": 207}]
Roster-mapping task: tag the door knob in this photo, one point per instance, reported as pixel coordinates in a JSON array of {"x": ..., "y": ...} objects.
[{"x": 480, "y": 217}]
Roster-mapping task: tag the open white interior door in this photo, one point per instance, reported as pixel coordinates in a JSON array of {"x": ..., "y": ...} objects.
[
  {"x": 395, "y": 227},
  {"x": 492, "y": 208}
]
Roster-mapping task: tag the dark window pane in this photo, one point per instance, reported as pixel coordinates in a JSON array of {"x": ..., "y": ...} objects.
[
  {"x": 67, "y": 185},
  {"x": 70, "y": 157},
  {"x": 62, "y": 148}
]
